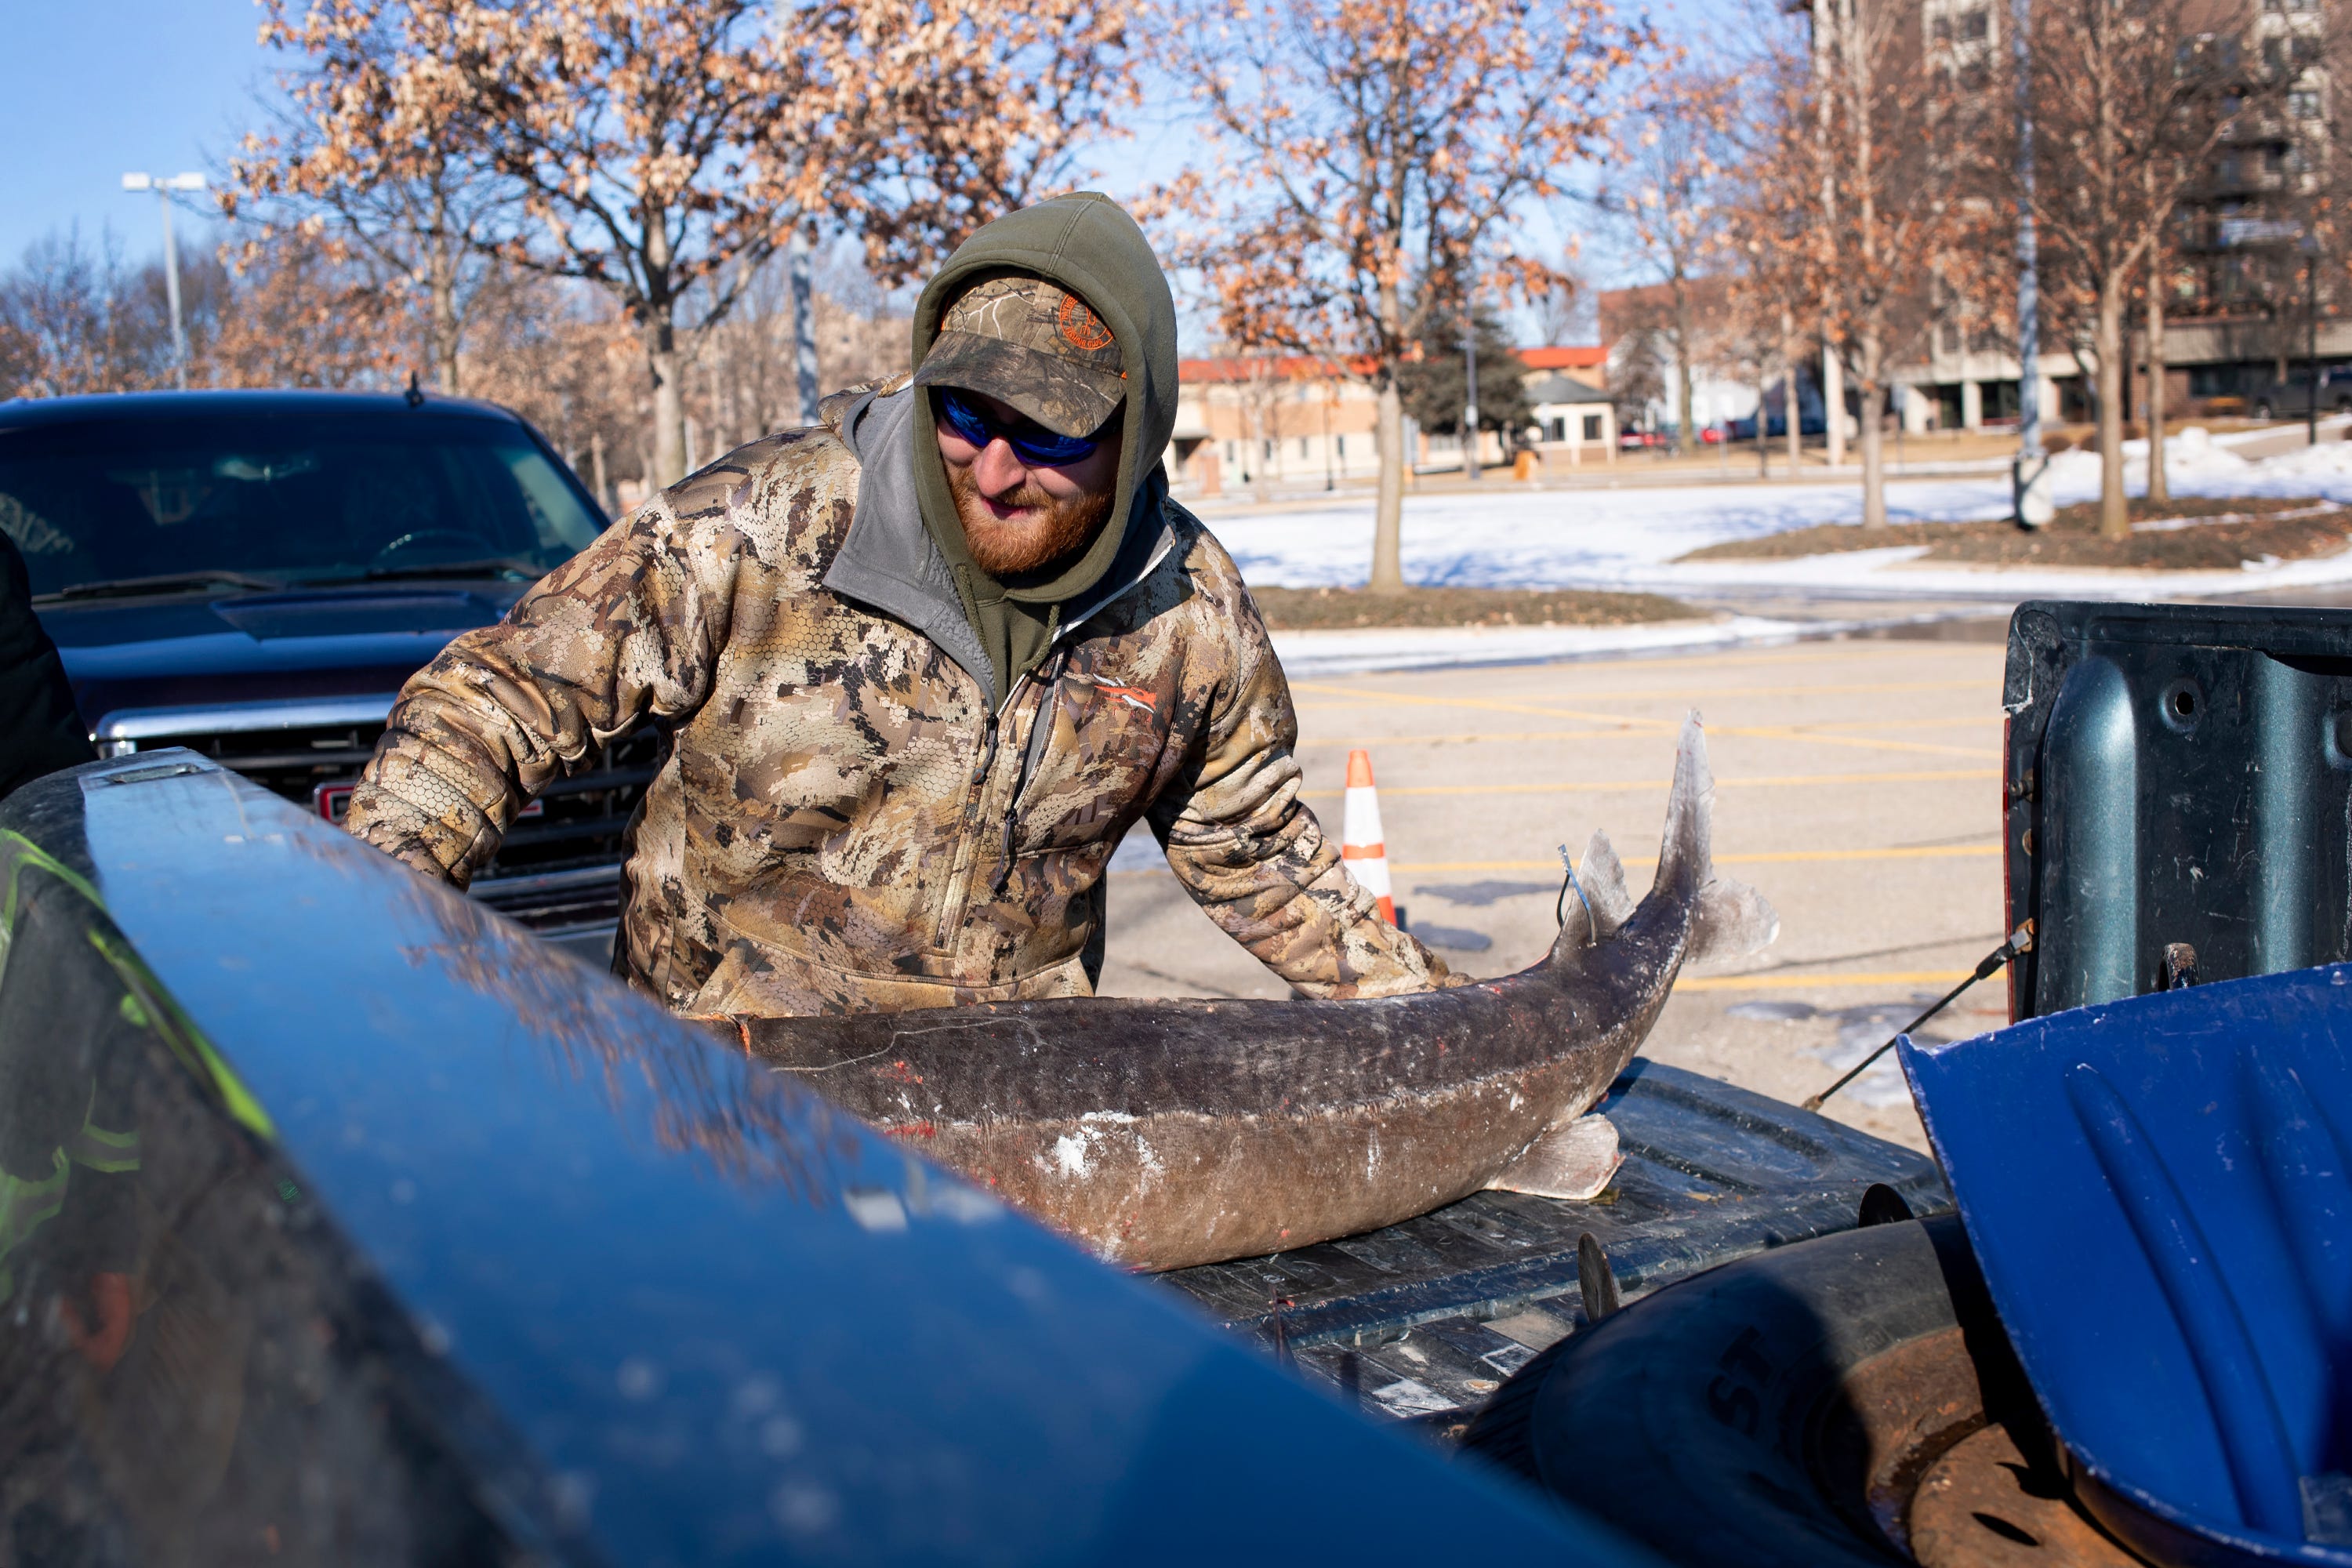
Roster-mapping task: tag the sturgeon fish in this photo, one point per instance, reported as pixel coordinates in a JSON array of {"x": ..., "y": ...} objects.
[{"x": 1166, "y": 1134}]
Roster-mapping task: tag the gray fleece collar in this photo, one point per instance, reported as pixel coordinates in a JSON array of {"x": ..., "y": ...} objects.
[{"x": 889, "y": 562}]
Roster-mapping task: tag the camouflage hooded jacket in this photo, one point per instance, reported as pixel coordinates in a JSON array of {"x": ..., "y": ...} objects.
[{"x": 848, "y": 818}]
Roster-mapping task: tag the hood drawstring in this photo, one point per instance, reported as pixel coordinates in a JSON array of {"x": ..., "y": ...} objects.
[{"x": 1041, "y": 731}]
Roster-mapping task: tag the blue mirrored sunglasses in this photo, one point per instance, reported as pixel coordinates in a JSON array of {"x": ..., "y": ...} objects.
[{"x": 1036, "y": 448}]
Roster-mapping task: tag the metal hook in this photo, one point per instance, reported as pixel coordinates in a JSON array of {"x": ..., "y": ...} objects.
[{"x": 1560, "y": 909}]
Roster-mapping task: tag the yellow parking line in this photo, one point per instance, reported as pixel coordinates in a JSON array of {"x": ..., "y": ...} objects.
[
  {"x": 1627, "y": 729},
  {"x": 1662, "y": 726},
  {"x": 1598, "y": 785},
  {"x": 1935, "y": 852},
  {"x": 1787, "y": 733},
  {"x": 1807, "y": 982},
  {"x": 1703, "y": 693}
]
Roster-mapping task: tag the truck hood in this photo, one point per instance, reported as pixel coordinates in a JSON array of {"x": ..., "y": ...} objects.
[{"x": 243, "y": 647}]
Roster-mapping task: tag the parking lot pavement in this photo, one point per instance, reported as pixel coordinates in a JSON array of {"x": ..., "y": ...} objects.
[{"x": 1857, "y": 787}]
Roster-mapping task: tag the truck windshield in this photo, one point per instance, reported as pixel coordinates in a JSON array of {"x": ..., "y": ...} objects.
[{"x": 279, "y": 500}]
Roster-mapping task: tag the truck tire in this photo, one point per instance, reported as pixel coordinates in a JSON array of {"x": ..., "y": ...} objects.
[{"x": 1756, "y": 1413}]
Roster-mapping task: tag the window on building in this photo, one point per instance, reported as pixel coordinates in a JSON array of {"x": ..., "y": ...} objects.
[
  {"x": 2304, "y": 104},
  {"x": 1593, "y": 426},
  {"x": 1343, "y": 449},
  {"x": 1943, "y": 29},
  {"x": 1302, "y": 446},
  {"x": 1231, "y": 455},
  {"x": 1974, "y": 26}
]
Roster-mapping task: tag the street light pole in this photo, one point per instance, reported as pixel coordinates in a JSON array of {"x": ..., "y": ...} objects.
[
  {"x": 164, "y": 187},
  {"x": 2032, "y": 496},
  {"x": 1470, "y": 412}
]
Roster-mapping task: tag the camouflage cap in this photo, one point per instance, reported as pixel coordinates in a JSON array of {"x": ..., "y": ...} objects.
[{"x": 1033, "y": 344}]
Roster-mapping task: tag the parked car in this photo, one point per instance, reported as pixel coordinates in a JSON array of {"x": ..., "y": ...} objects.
[
  {"x": 2292, "y": 398},
  {"x": 253, "y": 574},
  {"x": 1807, "y": 424}
]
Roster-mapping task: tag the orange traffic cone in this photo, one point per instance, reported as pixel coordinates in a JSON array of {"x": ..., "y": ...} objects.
[{"x": 1361, "y": 842}]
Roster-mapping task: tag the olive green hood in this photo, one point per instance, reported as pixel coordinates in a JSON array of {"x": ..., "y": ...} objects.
[{"x": 1088, "y": 245}]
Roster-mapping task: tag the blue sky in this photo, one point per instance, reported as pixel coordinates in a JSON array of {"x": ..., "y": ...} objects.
[{"x": 99, "y": 86}]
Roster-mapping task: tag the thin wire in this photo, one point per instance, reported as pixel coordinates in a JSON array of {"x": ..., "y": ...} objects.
[
  {"x": 1560, "y": 906},
  {"x": 2020, "y": 940}
]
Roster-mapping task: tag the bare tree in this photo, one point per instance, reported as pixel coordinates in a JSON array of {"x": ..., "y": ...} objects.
[
  {"x": 1361, "y": 147},
  {"x": 1665, "y": 187},
  {"x": 373, "y": 150},
  {"x": 1857, "y": 197},
  {"x": 2132, "y": 100},
  {"x": 298, "y": 312},
  {"x": 78, "y": 317},
  {"x": 655, "y": 144},
  {"x": 966, "y": 110}
]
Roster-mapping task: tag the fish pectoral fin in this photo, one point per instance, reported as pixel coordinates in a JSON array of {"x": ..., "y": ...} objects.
[{"x": 1572, "y": 1162}]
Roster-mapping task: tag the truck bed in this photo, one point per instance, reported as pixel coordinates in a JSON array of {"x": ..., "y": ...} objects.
[{"x": 1437, "y": 1311}]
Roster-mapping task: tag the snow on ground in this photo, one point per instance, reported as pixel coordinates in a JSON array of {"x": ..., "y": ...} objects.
[
  {"x": 1514, "y": 538},
  {"x": 1308, "y": 655}
]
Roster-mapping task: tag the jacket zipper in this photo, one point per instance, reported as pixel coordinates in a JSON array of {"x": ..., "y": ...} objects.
[
  {"x": 967, "y": 855},
  {"x": 1041, "y": 735},
  {"x": 960, "y": 877}
]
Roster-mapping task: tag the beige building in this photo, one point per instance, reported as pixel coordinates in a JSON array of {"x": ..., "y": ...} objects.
[
  {"x": 1574, "y": 419},
  {"x": 1296, "y": 420},
  {"x": 1287, "y": 420}
]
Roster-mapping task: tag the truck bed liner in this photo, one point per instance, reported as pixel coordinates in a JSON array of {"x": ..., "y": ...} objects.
[{"x": 1439, "y": 1310}]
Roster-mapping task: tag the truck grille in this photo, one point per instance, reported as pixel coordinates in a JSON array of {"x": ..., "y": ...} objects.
[{"x": 559, "y": 869}]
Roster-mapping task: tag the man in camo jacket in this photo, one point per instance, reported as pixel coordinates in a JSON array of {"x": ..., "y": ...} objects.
[{"x": 921, "y": 668}]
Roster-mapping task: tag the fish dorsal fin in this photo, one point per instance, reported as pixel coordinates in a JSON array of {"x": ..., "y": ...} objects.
[
  {"x": 1604, "y": 904},
  {"x": 1603, "y": 878}
]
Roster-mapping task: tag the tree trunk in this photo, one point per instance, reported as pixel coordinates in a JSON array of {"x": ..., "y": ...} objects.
[
  {"x": 604, "y": 497},
  {"x": 1387, "y": 514},
  {"x": 666, "y": 366},
  {"x": 2114, "y": 508},
  {"x": 1685, "y": 420},
  {"x": 1873, "y": 435},
  {"x": 2158, "y": 490},
  {"x": 441, "y": 286},
  {"x": 1790, "y": 413},
  {"x": 1833, "y": 402}
]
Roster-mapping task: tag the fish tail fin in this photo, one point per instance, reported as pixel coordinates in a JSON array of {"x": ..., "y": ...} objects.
[{"x": 1729, "y": 918}]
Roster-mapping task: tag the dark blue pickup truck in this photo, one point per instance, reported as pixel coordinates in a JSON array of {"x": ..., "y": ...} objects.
[{"x": 252, "y": 576}]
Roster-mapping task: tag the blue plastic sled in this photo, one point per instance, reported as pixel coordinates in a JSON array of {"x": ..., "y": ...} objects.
[{"x": 2156, "y": 1189}]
